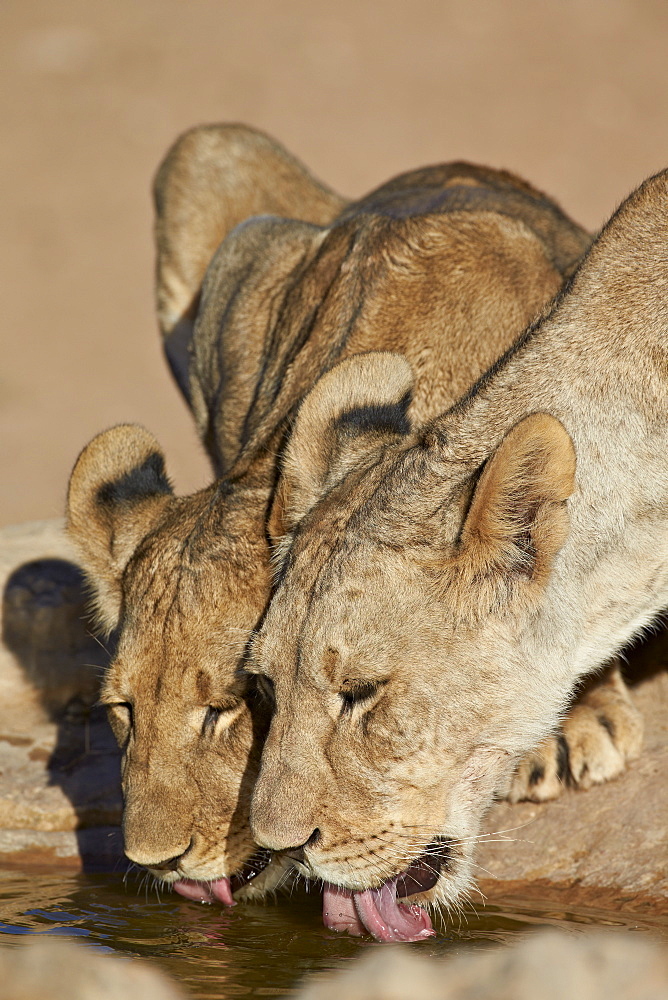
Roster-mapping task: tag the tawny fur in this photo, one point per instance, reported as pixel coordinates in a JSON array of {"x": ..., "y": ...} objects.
[
  {"x": 445, "y": 265},
  {"x": 467, "y": 578}
]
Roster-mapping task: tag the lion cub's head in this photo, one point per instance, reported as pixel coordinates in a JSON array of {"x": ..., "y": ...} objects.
[
  {"x": 388, "y": 646},
  {"x": 173, "y": 576}
]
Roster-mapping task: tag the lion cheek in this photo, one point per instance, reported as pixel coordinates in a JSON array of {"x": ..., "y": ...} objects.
[
  {"x": 486, "y": 767},
  {"x": 484, "y": 772}
]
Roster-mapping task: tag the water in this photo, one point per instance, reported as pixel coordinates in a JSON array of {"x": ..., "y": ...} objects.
[{"x": 250, "y": 950}]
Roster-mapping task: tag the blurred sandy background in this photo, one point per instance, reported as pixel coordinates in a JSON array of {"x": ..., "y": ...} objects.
[{"x": 570, "y": 93}]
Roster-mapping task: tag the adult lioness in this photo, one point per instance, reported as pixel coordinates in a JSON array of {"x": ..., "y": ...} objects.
[
  {"x": 438, "y": 603},
  {"x": 446, "y": 265}
]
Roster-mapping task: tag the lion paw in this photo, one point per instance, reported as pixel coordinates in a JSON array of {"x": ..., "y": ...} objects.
[{"x": 602, "y": 731}]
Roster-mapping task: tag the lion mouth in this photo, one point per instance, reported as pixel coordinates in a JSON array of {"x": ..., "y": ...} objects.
[
  {"x": 222, "y": 890},
  {"x": 378, "y": 911}
]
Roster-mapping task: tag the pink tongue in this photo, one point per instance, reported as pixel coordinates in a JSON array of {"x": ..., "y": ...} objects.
[
  {"x": 205, "y": 892},
  {"x": 338, "y": 911},
  {"x": 376, "y": 911}
]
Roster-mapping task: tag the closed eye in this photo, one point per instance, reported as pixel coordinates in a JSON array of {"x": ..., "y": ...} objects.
[
  {"x": 223, "y": 714},
  {"x": 119, "y": 714},
  {"x": 356, "y": 692},
  {"x": 211, "y": 717},
  {"x": 265, "y": 688}
]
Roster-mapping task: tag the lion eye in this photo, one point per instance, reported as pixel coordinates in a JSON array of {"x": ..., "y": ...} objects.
[
  {"x": 265, "y": 687},
  {"x": 356, "y": 693},
  {"x": 120, "y": 719},
  {"x": 211, "y": 718},
  {"x": 215, "y": 712}
]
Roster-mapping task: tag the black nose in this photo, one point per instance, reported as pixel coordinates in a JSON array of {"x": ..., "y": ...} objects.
[
  {"x": 170, "y": 865},
  {"x": 299, "y": 853}
]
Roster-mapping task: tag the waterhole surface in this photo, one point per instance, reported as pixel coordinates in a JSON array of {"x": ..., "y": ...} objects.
[{"x": 256, "y": 950}]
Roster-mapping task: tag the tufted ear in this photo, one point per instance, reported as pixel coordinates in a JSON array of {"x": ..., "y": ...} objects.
[
  {"x": 118, "y": 492},
  {"x": 517, "y": 520},
  {"x": 357, "y": 407}
]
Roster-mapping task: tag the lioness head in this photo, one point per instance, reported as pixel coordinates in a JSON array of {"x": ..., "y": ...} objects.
[
  {"x": 392, "y": 729},
  {"x": 182, "y": 583}
]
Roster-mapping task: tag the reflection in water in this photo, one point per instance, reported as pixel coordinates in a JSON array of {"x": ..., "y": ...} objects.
[{"x": 252, "y": 950}]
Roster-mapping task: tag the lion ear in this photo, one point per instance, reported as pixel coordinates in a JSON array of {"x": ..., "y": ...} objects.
[
  {"x": 213, "y": 178},
  {"x": 117, "y": 493},
  {"x": 356, "y": 408},
  {"x": 517, "y": 519}
]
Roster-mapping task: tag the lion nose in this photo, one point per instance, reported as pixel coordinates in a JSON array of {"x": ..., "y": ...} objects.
[
  {"x": 159, "y": 863},
  {"x": 284, "y": 812}
]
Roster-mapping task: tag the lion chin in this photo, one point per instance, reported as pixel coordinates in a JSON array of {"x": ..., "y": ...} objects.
[{"x": 397, "y": 909}]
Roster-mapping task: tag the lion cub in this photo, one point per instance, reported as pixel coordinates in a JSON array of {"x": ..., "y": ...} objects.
[
  {"x": 445, "y": 265},
  {"x": 438, "y": 601}
]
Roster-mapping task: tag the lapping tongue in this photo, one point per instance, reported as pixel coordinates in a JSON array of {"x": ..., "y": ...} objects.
[
  {"x": 376, "y": 912},
  {"x": 372, "y": 911},
  {"x": 205, "y": 892},
  {"x": 222, "y": 889}
]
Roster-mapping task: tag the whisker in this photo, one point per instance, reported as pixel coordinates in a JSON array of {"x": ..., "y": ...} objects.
[
  {"x": 485, "y": 870},
  {"x": 97, "y": 639}
]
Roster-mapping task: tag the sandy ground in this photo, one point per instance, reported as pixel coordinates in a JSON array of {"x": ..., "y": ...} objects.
[{"x": 570, "y": 93}]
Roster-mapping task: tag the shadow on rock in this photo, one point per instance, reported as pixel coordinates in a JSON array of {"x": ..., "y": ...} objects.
[{"x": 45, "y": 625}]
